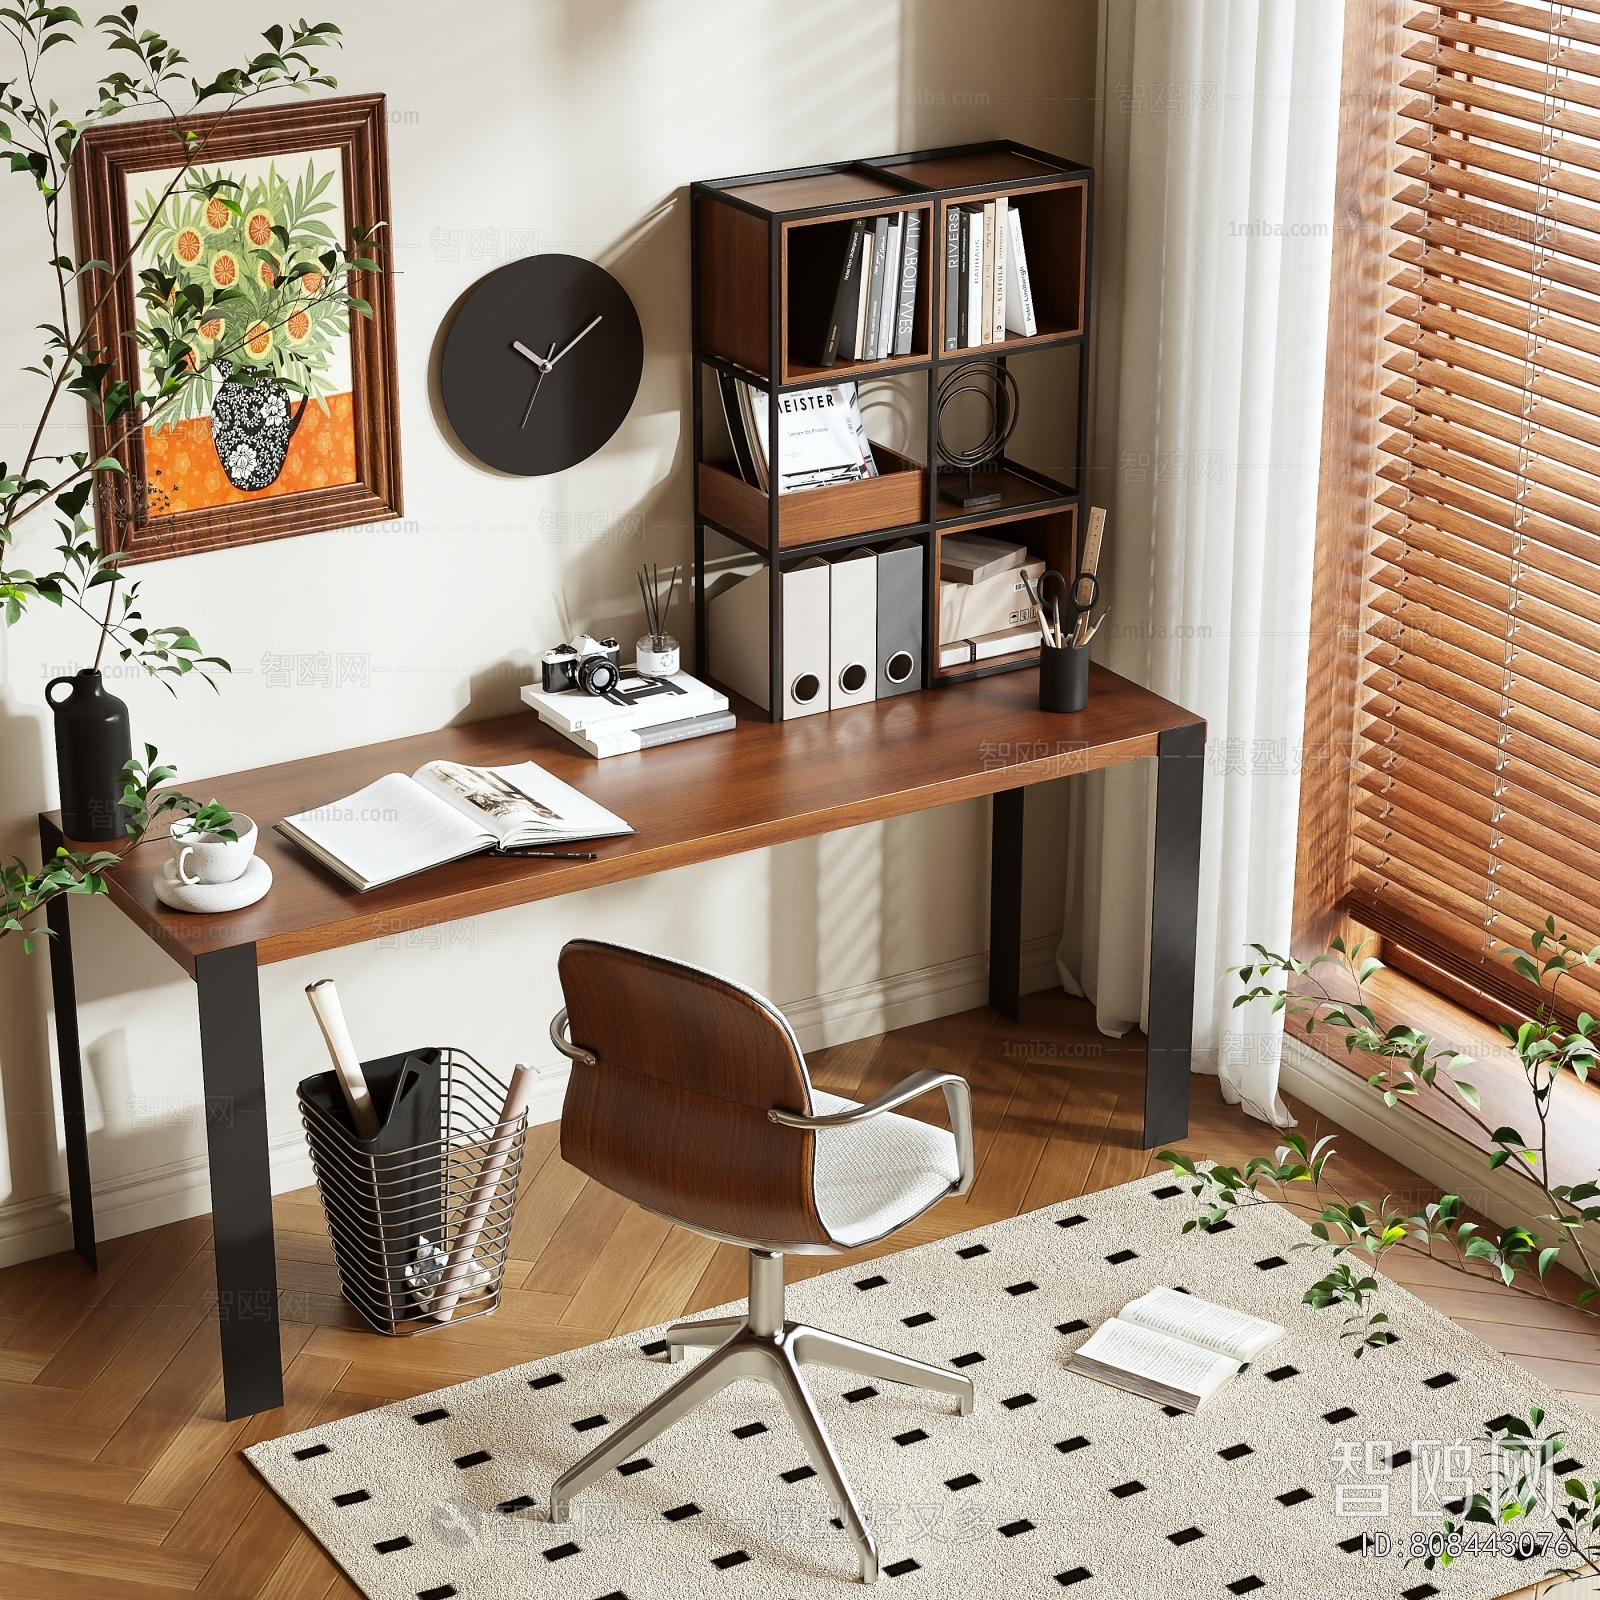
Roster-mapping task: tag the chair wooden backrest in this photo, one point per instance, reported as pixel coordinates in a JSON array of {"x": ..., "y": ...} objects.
[{"x": 673, "y": 1112}]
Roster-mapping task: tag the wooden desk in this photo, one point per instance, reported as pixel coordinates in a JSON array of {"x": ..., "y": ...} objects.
[{"x": 763, "y": 784}]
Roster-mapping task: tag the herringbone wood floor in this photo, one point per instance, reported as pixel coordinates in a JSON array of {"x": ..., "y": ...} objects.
[{"x": 120, "y": 1480}]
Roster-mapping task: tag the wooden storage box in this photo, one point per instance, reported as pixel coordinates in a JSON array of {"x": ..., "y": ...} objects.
[{"x": 897, "y": 497}]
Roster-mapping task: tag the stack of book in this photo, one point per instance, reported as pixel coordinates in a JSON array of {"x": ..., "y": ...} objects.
[
  {"x": 637, "y": 715},
  {"x": 986, "y": 289},
  {"x": 984, "y": 606},
  {"x": 821, "y": 438},
  {"x": 872, "y": 315}
]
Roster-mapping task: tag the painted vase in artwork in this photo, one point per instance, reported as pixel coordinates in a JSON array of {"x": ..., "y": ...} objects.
[{"x": 251, "y": 426}]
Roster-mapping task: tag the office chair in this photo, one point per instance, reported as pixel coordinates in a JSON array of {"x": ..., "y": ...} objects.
[{"x": 689, "y": 1095}]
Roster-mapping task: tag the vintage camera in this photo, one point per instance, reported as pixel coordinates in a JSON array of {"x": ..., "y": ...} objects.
[{"x": 587, "y": 664}]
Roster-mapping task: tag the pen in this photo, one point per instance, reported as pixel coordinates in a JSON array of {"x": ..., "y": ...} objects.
[{"x": 553, "y": 855}]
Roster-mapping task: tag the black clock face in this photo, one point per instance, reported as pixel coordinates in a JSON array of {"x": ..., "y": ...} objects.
[{"x": 554, "y": 401}]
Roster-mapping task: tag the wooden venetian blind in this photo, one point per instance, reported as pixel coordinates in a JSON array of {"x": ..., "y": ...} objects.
[{"x": 1477, "y": 810}]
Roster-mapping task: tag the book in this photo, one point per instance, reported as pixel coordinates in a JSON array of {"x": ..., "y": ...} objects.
[
  {"x": 844, "y": 300},
  {"x": 889, "y": 289},
  {"x": 880, "y": 255},
  {"x": 444, "y": 811},
  {"x": 736, "y": 433},
  {"x": 972, "y": 557},
  {"x": 910, "y": 266},
  {"x": 955, "y": 653},
  {"x": 986, "y": 308},
  {"x": 821, "y": 438},
  {"x": 974, "y": 276},
  {"x": 1005, "y": 641},
  {"x": 1173, "y": 1348},
  {"x": 1019, "y": 292},
  {"x": 1001, "y": 218},
  {"x": 603, "y": 742},
  {"x": 755, "y": 437},
  {"x": 858, "y": 345},
  {"x": 963, "y": 272},
  {"x": 636, "y": 702},
  {"x": 952, "y": 278}
]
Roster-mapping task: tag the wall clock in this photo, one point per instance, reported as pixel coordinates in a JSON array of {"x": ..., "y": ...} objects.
[{"x": 541, "y": 364}]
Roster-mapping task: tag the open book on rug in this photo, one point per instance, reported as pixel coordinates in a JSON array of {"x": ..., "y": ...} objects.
[
  {"x": 442, "y": 812},
  {"x": 1173, "y": 1348}
]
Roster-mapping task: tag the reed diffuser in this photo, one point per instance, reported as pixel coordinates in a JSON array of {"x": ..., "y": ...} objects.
[{"x": 656, "y": 654}]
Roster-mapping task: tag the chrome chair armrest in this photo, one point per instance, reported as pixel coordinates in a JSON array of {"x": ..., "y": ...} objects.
[
  {"x": 562, "y": 1041},
  {"x": 957, "y": 1097}
]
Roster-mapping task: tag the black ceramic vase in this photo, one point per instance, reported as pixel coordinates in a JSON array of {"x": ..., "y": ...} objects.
[{"x": 93, "y": 745}]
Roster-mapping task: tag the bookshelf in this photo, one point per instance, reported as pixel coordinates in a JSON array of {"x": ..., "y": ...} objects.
[{"x": 764, "y": 259}]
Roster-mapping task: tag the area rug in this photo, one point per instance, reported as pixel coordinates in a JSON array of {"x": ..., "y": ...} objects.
[{"x": 1281, "y": 1487}]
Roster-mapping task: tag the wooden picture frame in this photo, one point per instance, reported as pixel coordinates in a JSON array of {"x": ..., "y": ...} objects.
[{"x": 172, "y": 497}]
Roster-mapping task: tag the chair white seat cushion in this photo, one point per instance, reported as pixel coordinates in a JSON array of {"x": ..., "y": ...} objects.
[{"x": 872, "y": 1176}]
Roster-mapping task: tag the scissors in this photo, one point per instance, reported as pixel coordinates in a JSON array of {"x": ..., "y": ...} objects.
[{"x": 1079, "y": 597}]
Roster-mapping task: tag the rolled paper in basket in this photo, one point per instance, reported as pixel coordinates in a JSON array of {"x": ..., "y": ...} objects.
[
  {"x": 483, "y": 1188},
  {"x": 324, "y": 1000}
]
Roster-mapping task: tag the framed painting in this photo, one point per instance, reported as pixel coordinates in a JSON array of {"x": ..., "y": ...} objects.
[{"x": 296, "y": 428}]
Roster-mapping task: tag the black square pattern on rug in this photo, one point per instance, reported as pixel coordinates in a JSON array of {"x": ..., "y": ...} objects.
[
  {"x": 970, "y": 1359},
  {"x": 310, "y": 1451},
  {"x": 550, "y": 1379},
  {"x": 966, "y": 1481},
  {"x": 1077, "y": 1325},
  {"x": 920, "y": 1320},
  {"x": 1071, "y": 1222},
  {"x": 1401, "y": 1458},
  {"x": 1355, "y": 1545},
  {"x": 584, "y": 1424},
  {"x": 1174, "y": 1411},
  {"x": 1073, "y": 1575},
  {"x": 1220, "y": 1227},
  {"x": 1421, "y": 1592},
  {"x": 1011, "y": 1529},
  {"x": 1278, "y": 1374},
  {"x": 1076, "y": 1442},
  {"x": 656, "y": 1347},
  {"x": 387, "y": 1547},
  {"x": 1246, "y": 1585},
  {"x": 1339, "y": 1414},
  {"x": 1501, "y": 1423},
  {"x": 1016, "y": 1402},
  {"x": 1027, "y": 1286},
  {"x": 1571, "y": 1464},
  {"x": 1270, "y": 1263},
  {"x": 1186, "y": 1535},
  {"x": 1117, "y": 1257},
  {"x": 560, "y": 1552},
  {"x": 1294, "y": 1497},
  {"x": 1441, "y": 1380},
  {"x": 798, "y": 1474},
  {"x": 913, "y": 1436},
  {"x": 734, "y": 1558},
  {"x": 638, "y": 1464},
  {"x": 475, "y": 1459},
  {"x": 1165, "y": 1192},
  {"x": 1123, "y": 1490},
  {"x": 898, "y": 1569},
  {"x": 749, "y": 1430},
  {"x": 856, "y": 1396},
  {"x": 972, "y": 1251},
  {"x": 1235, "y": 1451},
  {"x": 876, "y": 1281},
  {"x": 523, "y": 1502},
  {"x": 422, "y": 1418},
  {"x": 353, "y": 1498},
  {"x": 682, "y": 1513},
  {"x": 442, "y": 1592}
]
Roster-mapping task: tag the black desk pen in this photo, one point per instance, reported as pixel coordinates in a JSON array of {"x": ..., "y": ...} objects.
[{"x": 553, "y": 855}]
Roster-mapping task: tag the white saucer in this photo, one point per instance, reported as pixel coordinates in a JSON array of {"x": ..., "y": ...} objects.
[{"x": 245, "y": 890}]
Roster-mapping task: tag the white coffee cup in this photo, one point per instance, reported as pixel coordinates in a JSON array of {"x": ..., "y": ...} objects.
[{"x": 208, "y": 858}]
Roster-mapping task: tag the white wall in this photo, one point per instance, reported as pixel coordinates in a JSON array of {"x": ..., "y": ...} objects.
[{"x": 575, "y": 127}]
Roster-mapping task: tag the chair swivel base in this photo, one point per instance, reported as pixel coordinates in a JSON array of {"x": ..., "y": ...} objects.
[{"x": 764, "y": 1345}]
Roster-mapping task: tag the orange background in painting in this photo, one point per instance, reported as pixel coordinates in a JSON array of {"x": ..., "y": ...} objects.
[{"x": 185, "y": 475}]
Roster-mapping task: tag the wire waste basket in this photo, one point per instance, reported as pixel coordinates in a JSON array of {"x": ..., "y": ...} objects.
[{"x": 419, "y": 1216}]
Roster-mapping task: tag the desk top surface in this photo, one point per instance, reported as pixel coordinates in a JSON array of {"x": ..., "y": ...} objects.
[{"x": 761, "y": 784}]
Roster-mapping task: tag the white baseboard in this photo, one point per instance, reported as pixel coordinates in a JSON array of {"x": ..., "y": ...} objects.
[
  {"x": 180, "y": 1189},
  {"x": 1443, "y": 1158}
]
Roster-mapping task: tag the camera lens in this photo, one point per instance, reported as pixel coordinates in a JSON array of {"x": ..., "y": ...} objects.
[{"x": 597, "y": 674}]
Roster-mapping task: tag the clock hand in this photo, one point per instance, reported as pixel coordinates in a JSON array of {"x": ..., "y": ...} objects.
[
  {"x": 538, "y": 361},
  {"x": 566, "y": 347},
  {"x": 545, "y": 364}
]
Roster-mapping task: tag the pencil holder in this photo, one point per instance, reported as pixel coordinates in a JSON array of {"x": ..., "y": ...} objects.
[
  {"x": 397, "y": 1206},
  {"x": 1063, "y": 678}
]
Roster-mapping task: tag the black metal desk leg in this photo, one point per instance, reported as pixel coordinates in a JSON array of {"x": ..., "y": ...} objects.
[
  {"x": 241, "y": 1179},
  {"x": 1005, "y": 903},
  {"x": 69, "y": 1059},
  {"x": 1174, "y": 913}
]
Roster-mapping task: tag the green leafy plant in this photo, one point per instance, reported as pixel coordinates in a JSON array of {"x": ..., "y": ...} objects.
[
  {"x": 186, "y": 328},
  {"x": 24, "y": 892},
  {"x": 1407, "y": 1062}
]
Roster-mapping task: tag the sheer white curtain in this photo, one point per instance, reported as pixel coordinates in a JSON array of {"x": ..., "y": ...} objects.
[{"x": 1215, "y": 160}]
